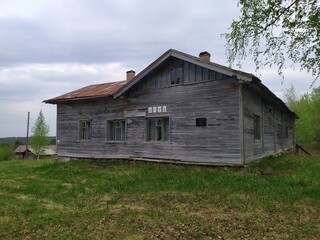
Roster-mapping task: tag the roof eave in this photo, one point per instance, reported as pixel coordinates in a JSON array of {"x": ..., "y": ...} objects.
[
  {"x": 267, "y": 91},
  {"x": 76, "y": 99}
]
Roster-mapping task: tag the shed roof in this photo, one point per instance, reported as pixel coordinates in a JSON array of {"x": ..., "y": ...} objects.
[{"x": 89, "y": 92}]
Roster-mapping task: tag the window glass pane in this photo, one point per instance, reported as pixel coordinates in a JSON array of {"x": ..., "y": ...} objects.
[
  {"x": 151, "y": 130},
  {"x": 88, "y": 130},
  {"x": 279, "y": 131},
  {"x": 166, "y": 129},
  {"x": 257, "y": 127},
  {"x": 116, "y": 130},
  {"x": 158, "y": 129},
  {"x": 85, "y": 130},
  {"x": 287, "y": 132},
  {"x": 117, "y": 134},
  {"x": 176, "y": 75},
  {"x": 123, "y": 129},
  {"x": 159, "y": 133}
]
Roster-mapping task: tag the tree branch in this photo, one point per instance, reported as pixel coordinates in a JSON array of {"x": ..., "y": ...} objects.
[{"x": 277, "y": 18}]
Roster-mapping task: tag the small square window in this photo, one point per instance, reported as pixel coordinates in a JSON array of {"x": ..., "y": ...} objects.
[{"x": 201, "y": 122}]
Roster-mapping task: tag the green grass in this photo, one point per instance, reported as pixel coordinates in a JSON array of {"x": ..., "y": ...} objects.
[{"x": 278, "y": 198}]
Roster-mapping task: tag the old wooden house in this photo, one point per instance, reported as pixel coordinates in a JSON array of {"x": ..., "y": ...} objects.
[{"x": 180, "y": 108}]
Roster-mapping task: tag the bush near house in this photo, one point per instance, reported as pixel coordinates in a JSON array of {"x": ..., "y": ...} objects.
[
  {"x": 6, "y": 152},
  {"x": 277, "y": 198}
]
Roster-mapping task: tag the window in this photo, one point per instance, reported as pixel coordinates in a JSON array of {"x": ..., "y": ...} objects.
[
  {"x": 257, "y": 127},
  {"x": 201, "y": 122},
  {"x": 176, "y": 75},
  {"x": 279, "y": 132},
  {"x": 286, "y": 132},
  {"x": 116, "y": 130},
  {"x": 158, "y": 129},
  {"x": 85, "y": 130}
]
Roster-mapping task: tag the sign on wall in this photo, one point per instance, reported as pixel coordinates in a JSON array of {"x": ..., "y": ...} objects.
[{"x": 157, "y": 109}]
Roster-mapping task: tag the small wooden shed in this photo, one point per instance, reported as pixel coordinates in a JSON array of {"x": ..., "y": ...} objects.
[
  {"x": 22, "y": 149},
  {"x": 180, "y": 108}
]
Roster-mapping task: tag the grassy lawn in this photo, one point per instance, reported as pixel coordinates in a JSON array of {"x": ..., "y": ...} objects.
[{"x": 278, "y": 198}]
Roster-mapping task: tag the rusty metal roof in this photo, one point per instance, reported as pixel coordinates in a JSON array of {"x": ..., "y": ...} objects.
[{"x": 89, "y": 92}]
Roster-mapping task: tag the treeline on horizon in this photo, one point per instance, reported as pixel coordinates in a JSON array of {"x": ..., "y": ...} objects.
[{"x": 23, "y": 140}]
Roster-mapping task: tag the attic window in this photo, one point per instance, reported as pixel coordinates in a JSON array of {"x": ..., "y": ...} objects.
[
  {"x": 176, "y": 75},
  {"x": 201, "y": 122}
]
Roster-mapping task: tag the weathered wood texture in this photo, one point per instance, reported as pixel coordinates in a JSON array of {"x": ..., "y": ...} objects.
[
  {"x": 202, "y": 94},
  {"x": 274, "y": 122}
]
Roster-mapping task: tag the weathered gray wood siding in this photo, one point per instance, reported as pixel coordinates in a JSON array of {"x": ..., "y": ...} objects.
[
  {"x": 201, "y": 94},
  {"x": 273, "y": 126},
  {"x": 218, "y": 101}
]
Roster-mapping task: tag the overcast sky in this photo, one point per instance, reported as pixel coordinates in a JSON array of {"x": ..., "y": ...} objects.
[{"x": 50, "y": 47}]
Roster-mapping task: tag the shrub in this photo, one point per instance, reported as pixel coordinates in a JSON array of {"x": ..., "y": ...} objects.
[{"x": 6, "y": 152}]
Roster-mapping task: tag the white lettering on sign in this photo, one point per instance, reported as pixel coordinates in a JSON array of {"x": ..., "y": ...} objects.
[
  {"x": 157, "y": 109},
  {"x": 164, "y": 108}
]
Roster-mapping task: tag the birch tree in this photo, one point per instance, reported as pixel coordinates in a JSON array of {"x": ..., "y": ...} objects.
[
  {"x": 275, "y": 31},
  {"x": 40, "y": 132}
]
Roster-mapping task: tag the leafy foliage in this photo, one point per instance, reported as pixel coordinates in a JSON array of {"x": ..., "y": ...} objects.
[
  {"x": 308, "y": 110},
  {"x": 6, "y": 152},
  {"x": 40, "y": 132},
  {"x": 274, "y": 30}
]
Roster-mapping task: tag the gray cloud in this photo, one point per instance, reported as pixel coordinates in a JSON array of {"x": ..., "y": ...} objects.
[{"x": 51, "y": 47}]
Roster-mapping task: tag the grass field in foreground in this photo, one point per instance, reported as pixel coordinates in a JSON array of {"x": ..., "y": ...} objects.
[{"x": 277, "y": 198}]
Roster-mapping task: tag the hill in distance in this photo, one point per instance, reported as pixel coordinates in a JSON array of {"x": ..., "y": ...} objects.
[{"x": 22, "y": 140}]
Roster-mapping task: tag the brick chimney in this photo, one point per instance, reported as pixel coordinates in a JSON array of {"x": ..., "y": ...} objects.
[
  {"x": 205, "y": 56},
  {"x": 130, "y": 74}
]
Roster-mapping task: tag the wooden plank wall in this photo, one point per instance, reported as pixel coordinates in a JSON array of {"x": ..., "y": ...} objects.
[
  {"x": 274, "y": 121},
  {"x": 203, "y": 93}
]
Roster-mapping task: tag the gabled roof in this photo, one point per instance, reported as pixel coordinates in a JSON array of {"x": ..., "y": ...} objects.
[
  {"x": 89, "y": 92},
  {"x": 117, "y": 89},
  {"x": 189, "y": 58}
]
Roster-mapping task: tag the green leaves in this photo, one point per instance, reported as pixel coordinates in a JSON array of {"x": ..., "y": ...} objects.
[
  {"x": 308, "y": 110},
  {"x": 40, "y": 132},
  {"x": 274, "y": 31}
]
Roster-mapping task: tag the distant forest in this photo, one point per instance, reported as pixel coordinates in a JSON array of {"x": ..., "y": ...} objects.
[{"x": 23, "y": 140}]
